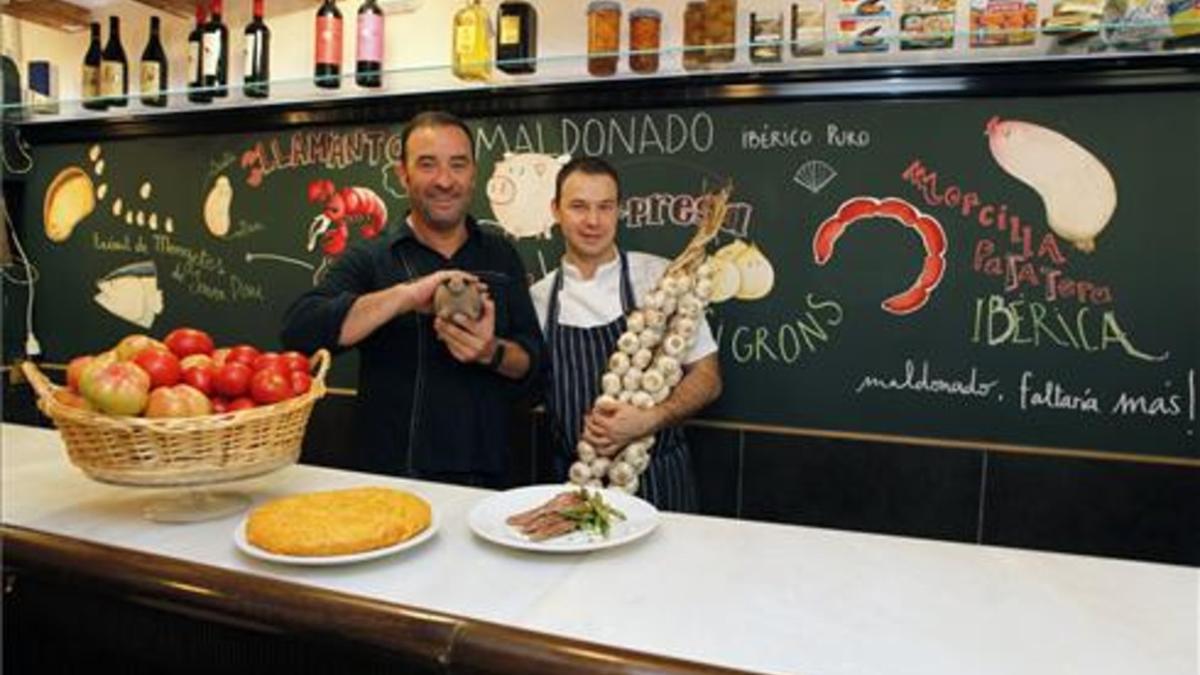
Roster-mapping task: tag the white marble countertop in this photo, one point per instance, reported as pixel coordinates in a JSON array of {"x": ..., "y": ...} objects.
[{"x": 755, "y": 596}]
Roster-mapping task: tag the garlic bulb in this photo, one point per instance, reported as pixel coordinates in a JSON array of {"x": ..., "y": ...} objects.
[
  {"x": 650, "y": 338},
  {"x": 655, "y": 319},
  {"x": 619, "y": 363},
  {"x": 703, "y": 289},
  {"x": 605, "y": 399},
  {"x": 621, "y": 473},
  {"x": 633, "y": 454},
  {"x": 642, "y": 359},
  {"x": 683, "y": 283},
  {"x": 629, "y": 343},
  {"x": 653, "y": 300},
  {"x": 706, "y": 269},
  {"x": 690, "y": 306},
  {"x": 629, "y": 488},
  {"x": 653, "y": 381},
  {"x": 599, "y": 466},
  {"x": 758, "y": 276},
  {"x": 580, "y": 473},
  {"x": 632, "y": 379},
  {"x": 669, "y": 287},
  {"x": 610, "y": 384},
  {"x": 668, "y": 306},
  {"x": 667, "y": 364},
  {"x": 683, "y": 326},
  {"x": 625, "y": 396},
  {"x": 673, "y": 345},
  {"x": 585, "y": 451},
  {"x": 674, "y": 377},
  {"x": 642, "y": 400},
  {"x": 636, "y": 321}
]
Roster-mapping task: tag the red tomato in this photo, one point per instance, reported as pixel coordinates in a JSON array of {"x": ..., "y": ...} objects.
[
  {"x": 265, "y": 359},
  {"x": 201, "y": 377},
  {"x": 300, "y": 382},
  {"x": 239, "y": 404},
  {"x": 233, "y": 379},
  {"x": 162, "y": 367},
  {"x": 295, "y": 361},
  {"x": 220, "y": 405},
  {"x": 219, "y": 356},
  {"x": 187, "y": 341},
  {"x": 242, "y": 354},
  {"x": 268, "y": 386}
]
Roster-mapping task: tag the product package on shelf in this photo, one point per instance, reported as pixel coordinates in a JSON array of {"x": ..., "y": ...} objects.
[
  {"x": 1185, "y": 17},
  {"x": 808, "y": 28},
  {"x": 1072, "y": 20},
  {"x": 927, "y": 24},
  {"x": 1139, "y": 24},
  {"x": 863, "y": 26},
  {"x": 1003, "y": 23}
]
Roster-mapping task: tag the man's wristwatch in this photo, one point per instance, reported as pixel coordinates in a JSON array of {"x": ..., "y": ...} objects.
[{"x": 497, "y": 356}]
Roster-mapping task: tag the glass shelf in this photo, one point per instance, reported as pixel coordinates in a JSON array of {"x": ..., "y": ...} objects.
[{"x": 436, "y": 78}]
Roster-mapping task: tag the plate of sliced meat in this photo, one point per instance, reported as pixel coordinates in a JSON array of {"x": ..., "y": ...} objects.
[{"x": 562, "y": 518}]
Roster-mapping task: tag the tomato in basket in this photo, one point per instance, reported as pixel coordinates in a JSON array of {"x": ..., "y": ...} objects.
[
  {"x": 233, "y": 379},
  {"x": 269, "y": 386}
]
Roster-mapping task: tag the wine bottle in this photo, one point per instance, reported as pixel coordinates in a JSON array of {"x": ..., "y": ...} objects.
[
  {"x": 328, "y": 51},
  {"x": 516, "y": 39},
  {"x": 153, "y": 69},
  {"x": 258, "y": 55},
  {"x": 216, "y": 52},
  {"x": 472, "y": 58},
  {"x": 114, "y": 67},
  {"x": 91, "y": 72},
  {"x": 195, "y": 71},
  {"x": 369, "y": 60}
]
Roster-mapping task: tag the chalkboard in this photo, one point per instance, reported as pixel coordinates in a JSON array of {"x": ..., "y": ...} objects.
[{"x": 1018, "y": 336}]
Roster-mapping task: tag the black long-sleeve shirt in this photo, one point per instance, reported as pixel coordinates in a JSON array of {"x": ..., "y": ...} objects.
[{"x": 420, "y": 411}]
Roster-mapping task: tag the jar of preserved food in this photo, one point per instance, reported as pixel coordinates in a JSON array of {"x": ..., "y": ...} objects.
[
  {"x": 695, "y": 35},
  {"x": 604, "y": 37},
  {"x": 645, "y": 33},
  {"x": 766, "y": 37},
  {"x": 720, "y": 21}
]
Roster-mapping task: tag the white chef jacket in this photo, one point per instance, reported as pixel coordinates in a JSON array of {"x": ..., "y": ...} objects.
[{"x": 586, "y": 303}]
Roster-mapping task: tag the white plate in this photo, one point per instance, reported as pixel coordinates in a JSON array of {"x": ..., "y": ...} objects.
[
  {"x": 239, "y": 538},
  {"x": 487, "y": 520}
]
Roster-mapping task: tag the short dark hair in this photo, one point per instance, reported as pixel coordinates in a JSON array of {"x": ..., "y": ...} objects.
[
  {"x": 592, "y": 166},
  {"x": 434, "y": 119}
]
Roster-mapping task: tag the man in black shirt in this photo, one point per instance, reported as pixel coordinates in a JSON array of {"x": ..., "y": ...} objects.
[{"x": 434, "y": 395}]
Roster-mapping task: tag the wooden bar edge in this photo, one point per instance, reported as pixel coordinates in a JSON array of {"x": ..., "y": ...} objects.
[{"x": 452, "y": 643}]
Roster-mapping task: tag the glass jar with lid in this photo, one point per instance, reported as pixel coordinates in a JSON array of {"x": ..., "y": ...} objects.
[
  {"x": 720, "y": 20},
  {"x": 766, "y": 37},
  {"x": 604, "y": 36},
  {"x": 645, "y": 35},
  {"x": 695, "y": 35}
]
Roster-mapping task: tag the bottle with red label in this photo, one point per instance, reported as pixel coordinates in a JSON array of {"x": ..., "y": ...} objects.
[
  {"x": 328, "y": 48},
  {"x": 257, "y": 73},
  {"x": 215, "y": 43},
  {"x": 369, "y": 61}
]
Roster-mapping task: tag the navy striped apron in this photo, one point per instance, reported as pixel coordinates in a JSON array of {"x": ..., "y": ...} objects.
[{"x": 579, "y": 356}]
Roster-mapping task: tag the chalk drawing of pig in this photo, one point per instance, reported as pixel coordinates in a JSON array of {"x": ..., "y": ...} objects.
[{"x": 520, "y": 190}]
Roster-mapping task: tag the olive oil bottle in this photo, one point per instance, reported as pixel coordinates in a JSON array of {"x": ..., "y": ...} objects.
[{"x": 472, "y": 57}]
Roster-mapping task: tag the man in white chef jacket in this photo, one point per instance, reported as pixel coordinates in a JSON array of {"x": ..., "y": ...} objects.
[{"x": 582, "y": 307}]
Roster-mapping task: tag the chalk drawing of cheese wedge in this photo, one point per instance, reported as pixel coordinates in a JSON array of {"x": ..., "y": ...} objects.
[
  {"x": 70, "y": 198},
  {"x": 131, "y": 293}
]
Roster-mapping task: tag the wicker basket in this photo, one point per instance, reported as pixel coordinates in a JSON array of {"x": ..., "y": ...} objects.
[{"x": 164, "y": 452}]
